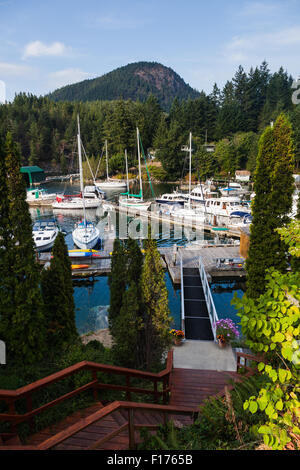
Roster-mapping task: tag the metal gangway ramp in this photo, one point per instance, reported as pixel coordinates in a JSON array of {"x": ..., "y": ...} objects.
[{"x": 198, "y": 312}]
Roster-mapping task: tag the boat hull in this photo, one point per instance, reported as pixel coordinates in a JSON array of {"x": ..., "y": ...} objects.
[
  {"x": 134, "y": 204},
  {"x": 170, "y": 203},
  {"x": 76, "y": 205},
  {"x": 86, "y": 239},
  {"x": 107, "y": 185}
]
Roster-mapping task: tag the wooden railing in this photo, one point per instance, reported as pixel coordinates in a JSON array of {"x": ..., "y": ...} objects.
[
  {"x": 247, "y": 364},
  {"x": 212, "y": 312},
  {"x": 130, "y": 426},
  {"x": 26, "y": 392}
]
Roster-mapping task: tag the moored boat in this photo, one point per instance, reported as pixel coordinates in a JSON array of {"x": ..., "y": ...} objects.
[{"x": 44, "y": 233}]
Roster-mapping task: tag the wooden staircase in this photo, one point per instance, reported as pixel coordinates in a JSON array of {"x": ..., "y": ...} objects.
[{"x": 114, "y": 426}]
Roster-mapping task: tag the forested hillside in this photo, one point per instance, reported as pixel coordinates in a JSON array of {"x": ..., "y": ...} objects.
[
  {"x": 131, "y": 82},
  {"x": 232, "y": 117}
]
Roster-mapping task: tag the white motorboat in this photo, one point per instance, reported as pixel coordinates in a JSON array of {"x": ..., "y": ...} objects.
[
  {"x": 109, "y": 183},
  {"x": 171, "y": 198},
  {"x": 199, "y": 194},
  {"x": 233, "y": 189},
  {"x": 224, "y": 206},
  {"x": 239, "y": 219},
  {"x": 135, "y": 201},
  {"x": 39, "y": 194},
  {"x": 85, "y": 234},
  {"x": 44, "y": 233},
  {"x": 188, "y": 214}
]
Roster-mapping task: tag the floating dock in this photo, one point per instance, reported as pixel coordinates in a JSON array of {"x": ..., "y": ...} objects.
[{"x": 209, "y": 256}]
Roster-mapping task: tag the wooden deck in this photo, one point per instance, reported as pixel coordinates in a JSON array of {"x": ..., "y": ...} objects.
[
  {"x": 116, "y": 425},
  {"x": 192, "y": 386},
  {"x": 189, "y": 388}
]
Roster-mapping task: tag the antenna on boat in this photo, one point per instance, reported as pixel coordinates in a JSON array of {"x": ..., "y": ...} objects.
[{"x": 80, "y": 168}]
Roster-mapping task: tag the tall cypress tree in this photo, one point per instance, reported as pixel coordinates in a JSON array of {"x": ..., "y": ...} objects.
[
  {"x": 156, "y": 313},
  {"x": 58, "y": 298},
  {"x": 273, "y": 188},
  {"x": 25, "y": 325},
  {"x": 117, "y": 281},
  {"x": 7, "y": 275}
]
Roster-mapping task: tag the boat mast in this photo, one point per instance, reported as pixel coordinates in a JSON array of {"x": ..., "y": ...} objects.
[
  {"x": 106, "y": 160},
  {"x": 80, "y": 167},
  {"x": 126, "y": 161},
  {"x": 190, "y": 175},
  {"x": 139, "y": 157}
]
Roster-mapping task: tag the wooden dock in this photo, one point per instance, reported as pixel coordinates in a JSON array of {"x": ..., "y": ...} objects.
[
  {"x": 162, "y": 218},
  {"x": 208, "y": 255}
]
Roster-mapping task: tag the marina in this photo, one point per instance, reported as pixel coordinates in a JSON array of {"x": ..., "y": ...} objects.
[{"x": 178, "y": 239}]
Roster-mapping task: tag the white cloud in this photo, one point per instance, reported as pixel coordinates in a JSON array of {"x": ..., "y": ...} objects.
[
  {"x": 114, "y": 22},
  {"x": 13, "y": 70},
  {"x": 247, "y": 47},
  {"x": 66, "y": 77},
  {"x": 39, "y": 49},
  {"x": 259, "y": 9}
]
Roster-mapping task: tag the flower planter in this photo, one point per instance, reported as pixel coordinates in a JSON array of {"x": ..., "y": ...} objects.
[
  {"x": 177, "y": 341},
  {"x": 221, "y": 344}
]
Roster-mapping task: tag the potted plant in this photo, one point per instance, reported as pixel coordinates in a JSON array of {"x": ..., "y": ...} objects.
[
  {"x": 178, "y": 336},
  {"x": 226, "y": 331}
]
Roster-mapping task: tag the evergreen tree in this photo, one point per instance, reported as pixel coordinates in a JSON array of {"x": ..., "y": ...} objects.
[
  {"x": 117, "y": 281},
  {"x": 25, "y": 325},
  {"x": 273, "y": 188},
  {"x": 127, "y": 325},
  {"x": 57, "y": 291},
  {"x": 6, "y": 253},
  {"x": 156, "y": 314},
  {"x": 283, "y": 181}
]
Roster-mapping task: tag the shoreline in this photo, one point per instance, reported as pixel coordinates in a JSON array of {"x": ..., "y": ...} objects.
[{"x": 103, "y": 336}]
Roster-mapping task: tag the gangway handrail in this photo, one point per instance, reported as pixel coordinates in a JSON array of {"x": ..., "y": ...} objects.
[
  {"x": 212, "y": 312},
  {"x": 182, "y": 297}
]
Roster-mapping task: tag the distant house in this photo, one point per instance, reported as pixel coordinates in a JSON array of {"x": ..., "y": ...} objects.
[
  {"x": 242, "y": 175},
  {"x": 32, "y": 174},
  {"x": 209, "y": 147}
]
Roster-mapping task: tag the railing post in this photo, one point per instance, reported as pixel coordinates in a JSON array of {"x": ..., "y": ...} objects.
[
  {"x": 95, "y": 389},
  {"x": 165, "y": 396},
  {"x": 29, "y": 409},
  {"x": 12, "y": 411},
  {"x": 155, "y": 392},
  {"x": 128, "y": 393},
  {"x": 131, "y": 429}
]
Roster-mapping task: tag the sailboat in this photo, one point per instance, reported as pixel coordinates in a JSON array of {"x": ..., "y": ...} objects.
[
  {"x": 85, "y": 235},
  {"x": 135, "y": 201},
  {"x": 186, "y": 212},
  {"x": 110, "y": 183}
]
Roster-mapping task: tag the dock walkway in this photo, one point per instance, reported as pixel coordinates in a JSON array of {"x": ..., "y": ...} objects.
[{"x": 197, "y": 323}]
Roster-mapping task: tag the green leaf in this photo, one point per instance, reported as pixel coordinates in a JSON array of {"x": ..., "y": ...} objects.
[
  {"x": 279, "y": 405},
  {"x": 253, "y": 407}
]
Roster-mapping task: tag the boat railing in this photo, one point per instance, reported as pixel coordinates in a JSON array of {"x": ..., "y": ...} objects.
[{"x": 212, "y": 312}]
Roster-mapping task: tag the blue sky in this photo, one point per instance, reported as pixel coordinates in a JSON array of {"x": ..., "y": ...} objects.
[{"x": 47, "y": 44}]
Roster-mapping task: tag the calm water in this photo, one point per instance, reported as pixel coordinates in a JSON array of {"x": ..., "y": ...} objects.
[
  {"x": 222, "y": 293},
  {"x": 92, "y": 296}
]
